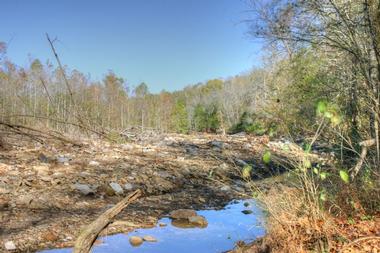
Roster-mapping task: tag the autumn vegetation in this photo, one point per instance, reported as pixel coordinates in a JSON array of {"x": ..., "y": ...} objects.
[{"x": 319, "y": 84}]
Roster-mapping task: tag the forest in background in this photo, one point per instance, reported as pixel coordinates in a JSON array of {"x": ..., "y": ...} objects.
[{"x": 39, "y": 95}]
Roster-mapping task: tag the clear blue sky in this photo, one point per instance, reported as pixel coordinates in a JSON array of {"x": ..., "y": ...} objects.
[{"x": 166, "y": 43}]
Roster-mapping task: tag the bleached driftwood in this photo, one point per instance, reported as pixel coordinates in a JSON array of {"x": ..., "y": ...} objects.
[{"x": 85, "y": 240}]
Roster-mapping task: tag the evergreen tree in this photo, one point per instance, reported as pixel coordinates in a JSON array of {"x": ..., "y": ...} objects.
[
  {"x": 180, "y": 119},
  {"x": 200, "y": 118}
]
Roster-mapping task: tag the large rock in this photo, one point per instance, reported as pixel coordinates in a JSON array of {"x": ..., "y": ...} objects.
[
  {"x": 149, "y": 238},
  {"x": 135, "y": 241},
  {"x": 182, "y": 214}
]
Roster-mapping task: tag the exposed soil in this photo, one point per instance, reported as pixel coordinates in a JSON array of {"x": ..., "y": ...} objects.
[{"x": 42, "y": 207}]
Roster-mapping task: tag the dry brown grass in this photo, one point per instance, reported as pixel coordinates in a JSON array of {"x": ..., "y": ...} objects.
[
  {"x": 293, "y": 224},
  {"x": 296, "y": 225}
]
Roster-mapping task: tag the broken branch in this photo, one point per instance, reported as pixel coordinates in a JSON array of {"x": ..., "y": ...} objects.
[
  {"x": 85, "y": 240},
  {"x": 365, "y": 144}
]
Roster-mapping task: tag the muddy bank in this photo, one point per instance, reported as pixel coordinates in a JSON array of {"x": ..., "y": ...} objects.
[{"x": 48, "y": 192}]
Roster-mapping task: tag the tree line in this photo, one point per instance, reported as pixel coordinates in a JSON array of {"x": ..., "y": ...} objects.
[{"x": 37, "y": 95}]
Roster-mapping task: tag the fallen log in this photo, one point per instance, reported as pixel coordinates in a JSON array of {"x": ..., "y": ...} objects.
[
  {"x": 88, "y": 236},
  {"x": 36, "y": 134}
]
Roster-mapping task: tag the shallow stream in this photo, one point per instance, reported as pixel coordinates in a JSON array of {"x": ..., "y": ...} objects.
[{"x": 225, "y": 227}]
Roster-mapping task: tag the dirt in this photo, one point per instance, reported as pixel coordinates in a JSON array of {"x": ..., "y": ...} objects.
[{"x": 42, "y": 207}]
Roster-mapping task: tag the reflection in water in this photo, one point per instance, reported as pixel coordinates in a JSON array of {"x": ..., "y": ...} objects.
[
  {"x": 225, "y": 227},
  {"x": 186, "y": 224}
]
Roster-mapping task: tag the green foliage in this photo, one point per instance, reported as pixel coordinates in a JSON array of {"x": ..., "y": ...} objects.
[
  {"x": 206, "y": 119},
  {"x": 272, "y": 130},
  {"x": 297, "y": 86},
  {"x": 200, "y": 118},
  {"x": 307, "y": 147},
  {"x": 246, "y": 172},
  {"x": 323, "y": 175},
  {"x": 266, "y": 157},
  {"x": 212, "y": 85},
  {"x": 329, "y": 111},
  {"x": 251, "y": 124},
  {"x": 180, "y": 119},
  {"x": 213, "y": 120},
  {"x": 323, "y": 196},
  {"x": 344, "y": 176},
  {"x": 307, "y": 164},
  {"x": 321, "y": 107}
]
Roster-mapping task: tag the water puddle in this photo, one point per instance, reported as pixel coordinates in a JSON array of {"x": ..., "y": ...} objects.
[{"x": 225, "y": 227}]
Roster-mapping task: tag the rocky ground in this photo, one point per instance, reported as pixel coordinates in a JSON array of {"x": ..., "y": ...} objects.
[{"x": 49, "y": 191}]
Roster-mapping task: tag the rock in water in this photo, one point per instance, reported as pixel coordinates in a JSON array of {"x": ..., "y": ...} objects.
[
  {"x": 135, "y": 241},
  {"x": 182, "y": 214},
  {"x": 84, "y": 189},
  {"x": 116, "y": 188},
  {"x": 247, "y": 211},
  {"x": 9, "y": 245},
  {"x": 149, "y": 238},
  {"x": 199, "y": 221}
]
